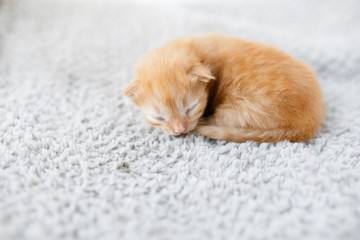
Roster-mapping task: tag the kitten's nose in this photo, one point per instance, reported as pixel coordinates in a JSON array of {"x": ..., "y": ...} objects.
[{"x": 179, "y": 127}]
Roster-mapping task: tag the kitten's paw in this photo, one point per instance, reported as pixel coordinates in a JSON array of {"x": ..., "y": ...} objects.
[
  {"x": 214, "y": 132},
  {"x": 207, "y": 130}
]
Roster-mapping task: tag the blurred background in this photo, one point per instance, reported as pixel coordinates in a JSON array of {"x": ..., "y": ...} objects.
[{"x": 113, "y": 34}]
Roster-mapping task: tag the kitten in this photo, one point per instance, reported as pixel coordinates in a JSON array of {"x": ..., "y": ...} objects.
[{"x": 229, "y": 89}]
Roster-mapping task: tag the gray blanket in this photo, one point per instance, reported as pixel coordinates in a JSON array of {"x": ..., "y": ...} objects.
[{"x": 79, "y": 162}]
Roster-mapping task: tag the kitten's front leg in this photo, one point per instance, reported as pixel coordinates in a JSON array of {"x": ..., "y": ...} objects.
[
  {"x": 208, "y": 128},
  {"x": 205, "y": 122}
]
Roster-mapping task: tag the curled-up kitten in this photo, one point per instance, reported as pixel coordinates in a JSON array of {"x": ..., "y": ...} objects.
[{"x": 227, "y": 88}]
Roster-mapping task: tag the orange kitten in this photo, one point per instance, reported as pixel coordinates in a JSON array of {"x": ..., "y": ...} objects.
[{"x": 229, "y": 89}]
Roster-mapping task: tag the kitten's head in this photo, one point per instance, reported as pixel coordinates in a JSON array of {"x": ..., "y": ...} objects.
[{"x": 171, "y": 90}]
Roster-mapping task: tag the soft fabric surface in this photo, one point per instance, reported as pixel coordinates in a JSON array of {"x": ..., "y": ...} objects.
[{"x": 79, "y": 162}]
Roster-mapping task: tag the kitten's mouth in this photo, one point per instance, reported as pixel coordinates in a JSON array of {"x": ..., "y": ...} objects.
[{"x": 178, "y": 134}]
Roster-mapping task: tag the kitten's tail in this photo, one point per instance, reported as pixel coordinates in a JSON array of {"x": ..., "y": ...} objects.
[{"x": 257, "y": 135}]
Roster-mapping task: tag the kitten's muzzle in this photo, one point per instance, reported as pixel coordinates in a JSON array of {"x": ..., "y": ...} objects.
[{"x": 179, "y": 127}]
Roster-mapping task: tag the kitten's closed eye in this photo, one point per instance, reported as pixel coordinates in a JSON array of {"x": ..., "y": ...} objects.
[
  {"x": 192, "y": 109},
  {"x": 156, "y": 119}
]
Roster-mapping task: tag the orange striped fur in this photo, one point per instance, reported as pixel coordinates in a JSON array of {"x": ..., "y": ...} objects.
[{"x": 229, "y": 89}]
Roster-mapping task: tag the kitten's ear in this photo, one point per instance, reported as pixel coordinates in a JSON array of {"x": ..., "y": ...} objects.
[
  {"x": 201, "y": 73},
  {"x": 131, "y": 90}
]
